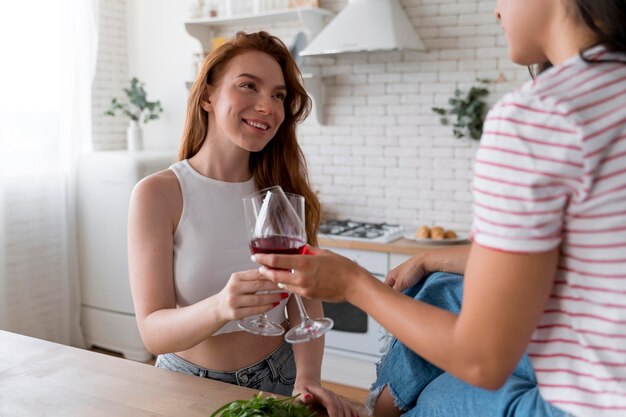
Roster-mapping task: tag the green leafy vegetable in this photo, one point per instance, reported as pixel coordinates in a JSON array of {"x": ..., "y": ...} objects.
[{"x": 264, "y": 407}]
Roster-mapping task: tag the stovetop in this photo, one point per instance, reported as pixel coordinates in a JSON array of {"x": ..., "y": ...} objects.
[{"x": 363, "y": 231}]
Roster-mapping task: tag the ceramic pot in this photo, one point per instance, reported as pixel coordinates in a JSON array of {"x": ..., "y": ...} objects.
[{"x": 134, "y": 136}]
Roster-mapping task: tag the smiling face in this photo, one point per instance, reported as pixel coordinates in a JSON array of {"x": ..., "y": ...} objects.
[
  {"x": 527, "y": 25},
  {"x": 246, "y": 101}
]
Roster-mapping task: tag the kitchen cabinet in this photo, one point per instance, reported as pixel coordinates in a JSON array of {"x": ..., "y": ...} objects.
[
  {"x": 395, "y": 259},
  {"x": 352, "y": 347},
  {"x": 349, "y": 358},
  {"x": 351, "y": 352},
  {"x": 310, "y": 19},
  {"x": 105, "y": 183}
]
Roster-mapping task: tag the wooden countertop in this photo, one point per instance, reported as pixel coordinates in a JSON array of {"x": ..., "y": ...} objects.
[
  {"x": 41, "y": 378},
  {"x": 400, "y": 246}
]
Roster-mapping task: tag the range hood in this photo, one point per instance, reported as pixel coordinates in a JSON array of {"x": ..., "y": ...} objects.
[{"x": 366, "y": 26}]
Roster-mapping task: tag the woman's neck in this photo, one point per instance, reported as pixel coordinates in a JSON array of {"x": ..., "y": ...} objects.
[
  {"x": 228, "y": 164},
  {"x": 568, "y": 37}
]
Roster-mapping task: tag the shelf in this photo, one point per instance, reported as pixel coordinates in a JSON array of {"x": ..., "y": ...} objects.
[
  {"x": 270, "y": 16},
  {"x": 313, "y": 19}
]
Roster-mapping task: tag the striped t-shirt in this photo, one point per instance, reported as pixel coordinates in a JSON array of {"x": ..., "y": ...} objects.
[{"x": 551, "y": 172}]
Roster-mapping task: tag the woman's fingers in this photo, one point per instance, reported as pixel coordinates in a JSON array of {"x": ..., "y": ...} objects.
[
  {"x": 249, "y": 305},
  {"x": 285, "y": 268},
  {"x": 284, "y": 262},
  {"x": 261, "y": 299},
  {"x": 335, "y": 406},
  {"x": 277, "y": 275},
  {"x": 311, "y": 250},
  {"x": 251, "y": 311},
  {"x": 250, "y": 282},
  {"x": 248, "y": 293},
  {"x": 391, "y": 278}
]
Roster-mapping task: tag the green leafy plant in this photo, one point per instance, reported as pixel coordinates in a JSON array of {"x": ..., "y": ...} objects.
[
  {"x": 469, "y": 111},
  {"x": 264, "y": 407},
  {"x": 137, "y": 104}
]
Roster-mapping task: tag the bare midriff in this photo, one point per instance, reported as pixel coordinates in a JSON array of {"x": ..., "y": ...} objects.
[{"x": 231, "y": 351}]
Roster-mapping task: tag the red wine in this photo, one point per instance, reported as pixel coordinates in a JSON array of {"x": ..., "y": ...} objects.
[{"x": 286, "y": 245}]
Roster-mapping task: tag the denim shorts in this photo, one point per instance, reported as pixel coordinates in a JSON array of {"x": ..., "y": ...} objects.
[
  {"x": 275, "y": 374},
  {"x": 420, "y": 389}
]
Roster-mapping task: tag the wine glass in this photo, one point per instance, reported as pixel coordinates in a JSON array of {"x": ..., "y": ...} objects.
[
  {"x": 275, "y": 224},
  {"x": 270, "y": 227},
  {"x": 308, "y": 328}
]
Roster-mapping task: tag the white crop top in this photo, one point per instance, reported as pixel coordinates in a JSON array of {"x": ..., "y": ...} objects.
[{"x": 210, "y": 242}]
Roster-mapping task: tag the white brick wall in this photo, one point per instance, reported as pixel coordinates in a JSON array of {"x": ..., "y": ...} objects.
[
  {"x": 112, "y": 76},
  {"x": 381, "y": 154}
]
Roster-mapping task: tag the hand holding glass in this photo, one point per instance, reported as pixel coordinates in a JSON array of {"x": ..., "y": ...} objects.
[{"x": 275, "y": 224}]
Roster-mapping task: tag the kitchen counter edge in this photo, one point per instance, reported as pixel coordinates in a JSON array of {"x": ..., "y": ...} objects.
[{"x": 400, "y": 246}]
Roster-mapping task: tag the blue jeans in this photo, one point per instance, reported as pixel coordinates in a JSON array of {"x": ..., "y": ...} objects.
[
  {"x": 275, "y": 374},
  {"x": 420, "y": 389}
]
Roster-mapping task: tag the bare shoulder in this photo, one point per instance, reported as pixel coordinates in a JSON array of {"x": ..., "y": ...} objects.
[
  {"x": 162, "y": 185},
  {"x": 158, "y": 194}
]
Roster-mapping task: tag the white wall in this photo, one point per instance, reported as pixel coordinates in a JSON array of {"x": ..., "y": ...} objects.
[
  {"x": 159, "y": 54},
  {"x": 147, "y": 40},
  {"x": 381, "y": 154},
  {"x": 111, "y": 75}
]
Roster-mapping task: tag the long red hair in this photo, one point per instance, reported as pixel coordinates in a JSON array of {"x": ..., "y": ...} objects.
[{"x": 281, "y": 162}]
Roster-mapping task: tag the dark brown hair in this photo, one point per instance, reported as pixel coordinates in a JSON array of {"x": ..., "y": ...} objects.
[
  {"x": 282, "y": 161},
  {"x": 606, "y": 19}
]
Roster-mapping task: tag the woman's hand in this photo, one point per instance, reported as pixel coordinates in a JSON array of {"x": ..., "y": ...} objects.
[
  {"x": 318, "y": 274},
  {"x": 449, "y": 259},
  {"x": 335, "y": 406},
  {"x": 243, "y": 295},
  {"x": 407, "y": 273}
]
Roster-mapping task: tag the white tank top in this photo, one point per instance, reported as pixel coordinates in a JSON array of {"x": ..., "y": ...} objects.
[{"x": 210, "y": 242}]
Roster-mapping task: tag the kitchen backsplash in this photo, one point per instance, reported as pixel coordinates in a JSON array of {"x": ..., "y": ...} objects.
[{"x": 381, "y": 154}]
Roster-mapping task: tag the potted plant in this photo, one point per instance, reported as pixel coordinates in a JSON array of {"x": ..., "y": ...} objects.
[
  {"x": 470, "y": 111},
  {"x": 136, "y": 107}
]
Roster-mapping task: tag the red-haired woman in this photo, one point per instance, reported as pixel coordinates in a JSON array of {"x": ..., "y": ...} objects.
[{"x": 190, "y": 269}]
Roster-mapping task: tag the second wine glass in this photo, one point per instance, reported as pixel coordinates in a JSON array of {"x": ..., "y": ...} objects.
[
  {"x": 308, "y": 328},
  {"x": 272, "y": 227}
]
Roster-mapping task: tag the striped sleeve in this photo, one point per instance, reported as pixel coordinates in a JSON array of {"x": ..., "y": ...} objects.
[{"x": 528, "y": 167}]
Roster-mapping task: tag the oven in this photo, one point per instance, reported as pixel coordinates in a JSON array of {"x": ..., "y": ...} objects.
[{"x": 355, "y": 333}]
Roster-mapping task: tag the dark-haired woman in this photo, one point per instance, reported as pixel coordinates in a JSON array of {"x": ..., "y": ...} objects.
[
  {"x": 190, "y": 269},
  {"x": 545, "y": 277}
]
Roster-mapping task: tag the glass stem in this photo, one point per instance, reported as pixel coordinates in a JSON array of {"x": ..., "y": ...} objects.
[{"x": 303, "y": 315}]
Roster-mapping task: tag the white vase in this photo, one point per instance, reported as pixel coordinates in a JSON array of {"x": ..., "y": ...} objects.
[{"x": 134, "y": 136}]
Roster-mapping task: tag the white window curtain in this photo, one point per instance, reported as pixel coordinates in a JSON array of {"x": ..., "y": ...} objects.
[{"x": 48, "y": 52}]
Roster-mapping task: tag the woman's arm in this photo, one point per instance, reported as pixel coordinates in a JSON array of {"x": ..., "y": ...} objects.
[
  {"x": 504, "y": 297},
  {"x": 155, "y": 208},
  {"x": 152, "y": 219}
]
